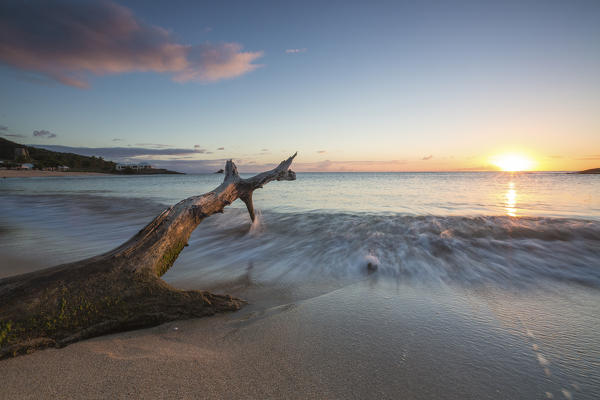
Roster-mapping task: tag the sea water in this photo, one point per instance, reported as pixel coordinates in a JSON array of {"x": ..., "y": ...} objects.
[
  {"x": 486, "y": 283},
  {"x": 465, "y": 228}
]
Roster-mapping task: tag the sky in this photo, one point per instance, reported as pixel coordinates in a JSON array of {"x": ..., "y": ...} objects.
[{"x": 351, "y": 86}]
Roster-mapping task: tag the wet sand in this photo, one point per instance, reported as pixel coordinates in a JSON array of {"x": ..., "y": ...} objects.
[
  {"x": 11, "y": 173},
  {"x": 364, "y": 340}
]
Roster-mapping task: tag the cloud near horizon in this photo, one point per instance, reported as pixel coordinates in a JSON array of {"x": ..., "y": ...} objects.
[
  {"x": 189, "y": 161},
  {"x": 185, "y": 160},
  {"x": 351, "y": 166},
  {"x": 119, "y": 154},
  {"x": 68, "y": 41},
  {"x": 485, "y": 167},
  {"x": 199, "y": 149},
  {"x": 429, "y": 157},
  {"x": 154, "y": 145},
  {"x": 592, "y": 157},
  {"x": 44, "y": 133},
  {"x": 4, "y": 132}
]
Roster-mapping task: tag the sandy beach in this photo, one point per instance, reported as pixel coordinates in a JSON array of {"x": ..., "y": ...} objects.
[{"x": 12, "y": 173}]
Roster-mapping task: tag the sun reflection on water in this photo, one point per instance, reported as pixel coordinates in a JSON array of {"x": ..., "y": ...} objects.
[{"x": 511, "y": 200}]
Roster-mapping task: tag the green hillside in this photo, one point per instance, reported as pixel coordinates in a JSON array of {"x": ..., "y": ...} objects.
[{"x": 41, "y": 158}]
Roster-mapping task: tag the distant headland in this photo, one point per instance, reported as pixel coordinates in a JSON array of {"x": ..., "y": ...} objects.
[
  {"x": 590, "y": 171},
  {"x": 15, "y": 156}
]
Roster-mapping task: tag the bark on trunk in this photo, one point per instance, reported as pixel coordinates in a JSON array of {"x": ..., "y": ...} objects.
[{"x": 121, "y": 290}]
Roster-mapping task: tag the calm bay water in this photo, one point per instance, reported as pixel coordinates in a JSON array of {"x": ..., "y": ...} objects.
[{"x": 511, "y": 261}]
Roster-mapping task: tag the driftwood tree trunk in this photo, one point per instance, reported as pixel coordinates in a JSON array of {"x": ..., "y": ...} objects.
[{"x": 121, "y": 289}]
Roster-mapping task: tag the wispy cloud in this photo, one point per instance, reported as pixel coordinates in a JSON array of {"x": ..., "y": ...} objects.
[
  {"x": 191, "y": 166},
  {"x": 589, "y": 157},
  {"x": 44, "y": 133},
  {"x": 295, "y": 51},
  {"x": 429, "y": 157},
  {"x": 350, "y": 166},
  {"x": 5, "y": 132},
  {"x": 221, "y": 148},
  {"x": 117, "y": 140},
  {"x": 321, "y": 151},
  {"x": 154, "y": 145},
  {"x": 199, "y": 149},
  {"x": 211, "y": 63},
  {"x": 251, "y": 166},
  {"x": 488, "y": 167},
  {"x": 186, "y": 160},
  {"x": 68, "y": 41},
  {"x": 119, "y": 153}
]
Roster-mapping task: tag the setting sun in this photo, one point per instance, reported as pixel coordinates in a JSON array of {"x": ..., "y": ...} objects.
[{"x": 512, "y": 162}]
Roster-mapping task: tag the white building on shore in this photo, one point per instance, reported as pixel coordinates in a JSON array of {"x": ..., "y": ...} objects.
[{"x": 133, "y": 166}]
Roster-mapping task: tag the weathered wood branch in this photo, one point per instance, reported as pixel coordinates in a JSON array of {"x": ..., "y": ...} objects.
[{"x": 122, "y": 289}]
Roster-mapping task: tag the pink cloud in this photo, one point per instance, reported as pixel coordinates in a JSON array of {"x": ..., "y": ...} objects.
[
  {"x": 351, "y": 166},
  {"x": 210, "y": 63},
  {"x": 69, "y": 41}
]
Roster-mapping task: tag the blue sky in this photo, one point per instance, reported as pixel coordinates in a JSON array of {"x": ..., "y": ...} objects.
[{"x": 373, "y": 86}]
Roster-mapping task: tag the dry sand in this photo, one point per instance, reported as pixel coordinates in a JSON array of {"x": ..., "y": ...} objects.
[{"x": 12, "y": 173}]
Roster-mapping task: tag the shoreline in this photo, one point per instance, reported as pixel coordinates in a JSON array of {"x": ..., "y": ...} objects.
[{"x": 12, "y": 173}]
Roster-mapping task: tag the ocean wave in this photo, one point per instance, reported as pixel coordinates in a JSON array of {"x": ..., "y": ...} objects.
[
  {"x": 461, "y": 250},
  {"x": 296, "y": 246}
]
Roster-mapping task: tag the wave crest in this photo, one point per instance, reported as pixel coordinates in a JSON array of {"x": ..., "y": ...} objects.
[{"x": 463, "y": 250}]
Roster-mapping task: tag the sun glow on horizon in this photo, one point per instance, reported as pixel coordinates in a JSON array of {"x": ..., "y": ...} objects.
[{"x": 512, "y": 162}]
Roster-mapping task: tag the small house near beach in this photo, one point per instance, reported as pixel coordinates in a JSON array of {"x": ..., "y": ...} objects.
[{"x": 135, "y": 167}]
